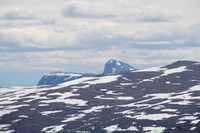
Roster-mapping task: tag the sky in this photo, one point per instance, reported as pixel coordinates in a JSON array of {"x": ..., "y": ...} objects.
[{"x": 42, "y": 36}]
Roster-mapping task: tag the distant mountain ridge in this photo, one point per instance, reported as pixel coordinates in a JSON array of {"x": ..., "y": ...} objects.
[
  {"x": 112, "y": 66},
  {"x": 60, "y": 77}
]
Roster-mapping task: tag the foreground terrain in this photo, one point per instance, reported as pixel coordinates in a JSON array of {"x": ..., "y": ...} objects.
[{"x": 163, "y": 99}]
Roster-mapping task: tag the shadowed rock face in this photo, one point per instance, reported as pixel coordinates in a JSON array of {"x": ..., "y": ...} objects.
[
  {"x": 114, "y": 66},
  {"x": 157, "y": 100}
]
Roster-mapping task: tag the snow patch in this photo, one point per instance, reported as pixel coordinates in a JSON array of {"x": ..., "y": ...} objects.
[
  {"x": 188, "y": 118},
  {"x": 73, "y": 117},
  {"x": 132, "y": 128},
  {"x": 184, "y": 102},
  {"x": 110, "y": 129},
  {"x": 195, "y": 121},
  {"x": 95, "y": 109},
  {"x": 73, "y": 82},
  {"x": 53, "y": 129},
  {"x": 118, "y": 63},
  {"x": 154, "y": 129},
  {"x": 105, "y": 79},
  {"x": 50, "y": 112},
  {"x": 192, "y": 128},
  {"x": 78, "y": 102},
  {"x": 159, "y": 95},
  {"x": 153, "y": 117},
  {"x": 103, "y": 89},
  {"x": 78, "y": 87},
  {"x": 124, "y": 98},
  {"x": 169, "y": 110},
  {"x": 158, "y": 107},
  {"x": 126, "y": 84},
  {"x": 104, "y": 98},
  {"x": 153, "y": 69},
  {"x": 125, "y": 112},
  {"x": 195, "y": 88},
  {"x": 113, "y": 93},
  {"x": 180, "y": 122},
  {"x": 174, "y": 70},
  {"x": 23, "y": 116},
  {"x": 41, "y": 105},
  {"x": 14, "y": 121},
  {"x": 113, "y": 128},
  {"x": 7, "y": 111}
]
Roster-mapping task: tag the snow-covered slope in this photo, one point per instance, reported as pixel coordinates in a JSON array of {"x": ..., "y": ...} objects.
[
  {"x": 156, "y": 100},
  {"x": 113, "y": 66},
  {"x": 60, "y": 77}
]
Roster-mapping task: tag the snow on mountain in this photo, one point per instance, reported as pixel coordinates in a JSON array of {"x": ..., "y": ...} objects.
[
  {"x": 163, "y": 99},
  {"x": 60, "y": 77},
  {"x": 113, "y": 66}
]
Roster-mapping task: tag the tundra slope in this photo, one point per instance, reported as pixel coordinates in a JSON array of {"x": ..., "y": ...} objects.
[{"x": 163, "y": 99}]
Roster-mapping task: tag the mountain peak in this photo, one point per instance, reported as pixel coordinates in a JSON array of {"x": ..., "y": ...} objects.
[{"x": 113, "y": 66}]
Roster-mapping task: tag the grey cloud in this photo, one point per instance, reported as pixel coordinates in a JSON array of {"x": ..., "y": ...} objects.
[
  {"x": 157, "y": 14},
  {"x": 120, "y": 12},
  {"x": 26, "y": 17},
  {"x": 101, "y": 35},
  {"x": 17, "y": 14},
  {"x": 86, "y": 11}
]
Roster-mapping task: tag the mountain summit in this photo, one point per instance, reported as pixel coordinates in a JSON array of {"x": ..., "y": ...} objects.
[{"x": 113, "y": 66}]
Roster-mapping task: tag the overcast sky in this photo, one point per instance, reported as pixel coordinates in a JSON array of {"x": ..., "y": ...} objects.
[{"x": 42, "y": 36}]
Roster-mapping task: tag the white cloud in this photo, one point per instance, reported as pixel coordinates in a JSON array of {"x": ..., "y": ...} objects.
[{"x": 38, "y": 37}]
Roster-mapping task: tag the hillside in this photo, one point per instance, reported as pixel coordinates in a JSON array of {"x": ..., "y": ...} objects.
[{"x": 155, "y": 100}]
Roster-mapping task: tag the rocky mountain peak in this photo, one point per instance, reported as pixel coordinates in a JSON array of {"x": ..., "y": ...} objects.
[{"x": 113, "y": 66}]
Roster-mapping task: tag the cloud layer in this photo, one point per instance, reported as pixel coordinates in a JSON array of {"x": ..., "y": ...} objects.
[{"x": 120, "y": 11}]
